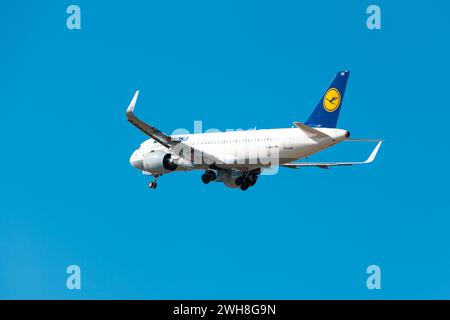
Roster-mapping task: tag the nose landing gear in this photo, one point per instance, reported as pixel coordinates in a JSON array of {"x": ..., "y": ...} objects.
[{"x": 153, "y": 184}]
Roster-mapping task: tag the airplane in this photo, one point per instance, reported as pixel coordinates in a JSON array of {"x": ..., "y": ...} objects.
[{"x": 238, "y": 158}]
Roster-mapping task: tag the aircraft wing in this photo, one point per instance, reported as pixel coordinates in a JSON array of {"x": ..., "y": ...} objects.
[
  {"x": 152, "y": 132},
  {"x": 163, "y": 138},
  {"x": 326, "y": 165}
]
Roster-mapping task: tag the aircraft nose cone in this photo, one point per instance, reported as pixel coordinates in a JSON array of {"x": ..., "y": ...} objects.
[{"x": 136, "y": 161}]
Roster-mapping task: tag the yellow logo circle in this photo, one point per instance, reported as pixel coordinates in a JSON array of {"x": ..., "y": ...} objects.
[{"x": 332, "y": 100}]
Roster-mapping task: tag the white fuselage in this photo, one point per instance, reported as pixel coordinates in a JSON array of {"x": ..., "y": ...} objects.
[{"x": 244, "y": 150}]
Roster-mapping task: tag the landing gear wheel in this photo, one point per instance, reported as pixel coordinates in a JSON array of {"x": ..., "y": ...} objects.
[
  {"x": 153, "y": 184},
  {"x": 239, "y": 181},
  {"x": 245, "y": 185},
  {"x": 206, "y": 178},
  {"x": 252, "y": 178},
  {"x": 212, "y": 175}
]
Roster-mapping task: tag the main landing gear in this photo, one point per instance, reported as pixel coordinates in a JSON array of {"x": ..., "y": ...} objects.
[
  {"x": 208, "y": 176},
  {"x": 232, "y": 179},
  {"x": 246, "y": 181},
  {"x": 153, "y": 184}
]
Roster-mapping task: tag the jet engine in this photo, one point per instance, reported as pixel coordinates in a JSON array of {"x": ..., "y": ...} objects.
[{"x": 159, "y": 162}]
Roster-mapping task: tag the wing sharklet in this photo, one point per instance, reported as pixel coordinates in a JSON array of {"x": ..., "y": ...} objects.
[{"x": 130, "y": 108}]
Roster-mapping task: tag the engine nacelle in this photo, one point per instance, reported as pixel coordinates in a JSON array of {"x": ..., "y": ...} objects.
[{"x": 159, "y": 162}]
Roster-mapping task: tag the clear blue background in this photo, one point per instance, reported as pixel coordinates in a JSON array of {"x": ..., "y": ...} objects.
[{"x": 69, "y": 196}]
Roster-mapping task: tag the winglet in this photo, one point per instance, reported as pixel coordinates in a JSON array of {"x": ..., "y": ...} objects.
[
  {"x": 374, "y": 152},
  {"x": 130, "y": 108}
]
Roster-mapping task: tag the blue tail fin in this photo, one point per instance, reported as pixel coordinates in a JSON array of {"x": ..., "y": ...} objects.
[{"x": 326, "y": 113}]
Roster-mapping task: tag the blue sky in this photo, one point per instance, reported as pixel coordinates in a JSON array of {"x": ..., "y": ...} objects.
[{"x": 69, "y": 196}]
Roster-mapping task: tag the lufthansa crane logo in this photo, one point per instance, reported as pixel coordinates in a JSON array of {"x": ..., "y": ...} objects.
[{"x": 331, "y": 100}]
